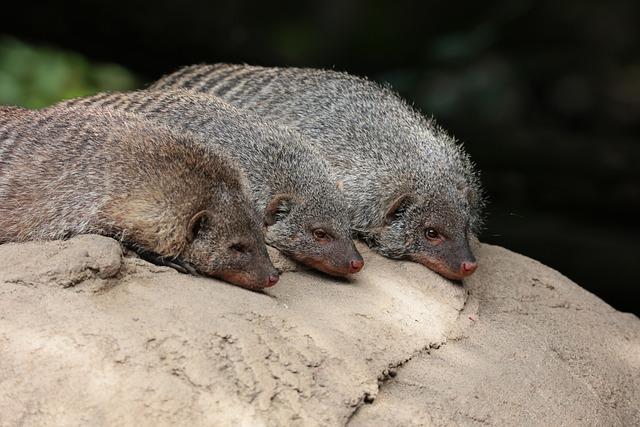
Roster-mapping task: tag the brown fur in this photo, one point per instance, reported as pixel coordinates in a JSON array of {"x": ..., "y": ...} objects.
[{"x": 67, "y": 171}]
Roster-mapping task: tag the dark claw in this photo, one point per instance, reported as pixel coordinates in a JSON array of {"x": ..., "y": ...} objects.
[
  {"x": 182, "y": 266},
  {"x": 175, "y": 263}
]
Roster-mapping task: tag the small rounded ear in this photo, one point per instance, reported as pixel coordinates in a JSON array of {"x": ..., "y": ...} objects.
[
  {"x": 471, "y": 195},
  {"x": 195, "y": 224},
  {"x": 278, "y": 208},
  {"x": 397, "y": 207},
  {"x": 468, "y": 193}
]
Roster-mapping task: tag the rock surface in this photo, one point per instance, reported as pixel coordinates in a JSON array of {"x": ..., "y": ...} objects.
[
  {"x": 89, "y": 336},
  {"x": 531, "y": 348}
]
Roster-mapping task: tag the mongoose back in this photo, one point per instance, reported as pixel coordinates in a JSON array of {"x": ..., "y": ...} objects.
[
  {"x": 412, "y": 190},
  {"x": 306, "y": 216},
  {"x": 68, "y": 171}
]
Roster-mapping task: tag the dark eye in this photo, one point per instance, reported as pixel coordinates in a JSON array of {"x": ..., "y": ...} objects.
[
  {"x": 432, "y": 234},
  {"x": 320, "y": 234},
  {"x": 239, "y": 248}
]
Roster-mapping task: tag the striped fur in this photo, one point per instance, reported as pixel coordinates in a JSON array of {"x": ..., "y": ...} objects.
[
  {"x": 401, "y": 173},
  {"x": 67, "y": 171},
  {"x": 289, "y": 182}
]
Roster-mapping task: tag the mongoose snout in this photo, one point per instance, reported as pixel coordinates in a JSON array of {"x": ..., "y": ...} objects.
[
  {"x": 454, "y": 270},
  {"x": 348, "y": 261},
  {"x": 356, "y": 265},
  {"x": 249, "y": 282}
]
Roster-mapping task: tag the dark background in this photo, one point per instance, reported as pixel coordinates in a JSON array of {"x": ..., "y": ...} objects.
[{"x": 544, "y": 94}]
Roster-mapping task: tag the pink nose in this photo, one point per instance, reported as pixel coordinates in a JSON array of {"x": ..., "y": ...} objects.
[
  {"x": 468, "y": 268},
  {"x": 272, "y": 280},
  {"x": 355, "y": 265}
]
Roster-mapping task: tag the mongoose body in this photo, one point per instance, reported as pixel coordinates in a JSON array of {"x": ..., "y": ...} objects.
[
  {"x": 306, "y": 216},
  {"x": 412, "y": 191},
  {"x": 7, "y": 111},
  {"x": 68, "y": 171}
]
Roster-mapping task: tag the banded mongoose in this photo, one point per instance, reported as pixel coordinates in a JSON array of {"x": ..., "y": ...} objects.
[
  {"x": 413, "y": 192},
  {"x": 305, "y": 214},
  {"x": 68, "y": 171}
]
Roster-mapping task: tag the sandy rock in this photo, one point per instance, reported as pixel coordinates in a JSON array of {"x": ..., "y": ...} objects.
[
  {"x": 168, "y": 348},
  {"x": 91, "y": 337},
  {"x": 531, "y": 348},
  {"x": 60, "y": 263},
  {"x": 281, "y": 262}
]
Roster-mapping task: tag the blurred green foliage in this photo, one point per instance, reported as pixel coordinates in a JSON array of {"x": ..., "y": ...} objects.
[{"x": 39, "y": 76}]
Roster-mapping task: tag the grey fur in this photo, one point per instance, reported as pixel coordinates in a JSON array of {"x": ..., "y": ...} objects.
[
  {"x": 378, "y": 146},
  {"x": 67, "y": 171},
  {"x": 288, "y": 179}
]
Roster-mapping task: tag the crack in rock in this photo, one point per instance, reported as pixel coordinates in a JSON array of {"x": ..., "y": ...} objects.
[
  {"x": 466, "y": 315},
  {"x": 390, "y": 372}
]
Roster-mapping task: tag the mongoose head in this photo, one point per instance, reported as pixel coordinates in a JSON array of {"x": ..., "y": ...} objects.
[
  {"x": 300, "y": 230},
  {"x": 432, "y": 230},
  {"x": 228, "y": 244}
]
